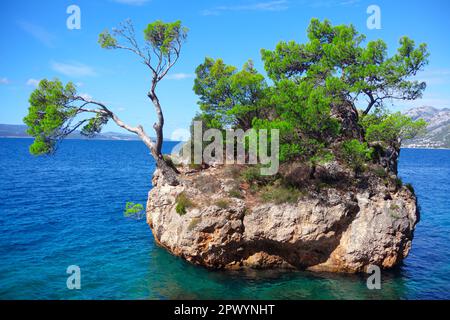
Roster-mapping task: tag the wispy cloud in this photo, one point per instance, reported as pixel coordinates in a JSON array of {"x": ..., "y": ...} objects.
[
  {"x": 331, "y": 3},
  {"x": 132, "y": 2},
  {"x": 435, "y": 76},
  {"x": 277, "y": 5},
  {"x": 179, "y": 76},
  {"x": 32, "y": 82},
  {"x": 4, "y": 81},
  {"x": 38, "y": 32},
  {"x": 73, "y": 69}
]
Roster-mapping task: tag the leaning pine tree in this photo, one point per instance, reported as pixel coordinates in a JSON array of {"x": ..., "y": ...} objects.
[{"x": 56, "y": 110}]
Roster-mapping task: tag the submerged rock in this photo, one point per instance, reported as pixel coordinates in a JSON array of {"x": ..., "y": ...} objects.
[{"x": 332, "y": 230}]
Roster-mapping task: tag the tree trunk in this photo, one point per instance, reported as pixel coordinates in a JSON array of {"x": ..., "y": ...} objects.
[{"x": 170, "y": 173}]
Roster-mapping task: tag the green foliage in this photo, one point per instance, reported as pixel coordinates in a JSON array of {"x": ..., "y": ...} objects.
[
  {"x": 48, "y": 113},
  {"x": 133, "y": 210},
  {"x": 356, "y": 154},
  {"x": 308, "y": 80},
  {"x": 165, "y": 36},
  {"x": 94, "y": 125},
  {"x": 194, "y": 222},
  {"x": 51, "y": 116},
  {"x": 303, "y": 118},
  {"x": 334, "y": 58},
  {"x": 325, "y": 156},
  {"x": 410, "y": 188},
  {"x": 252, "y": 175},
  {"x": 106, "y": 40},
  {"x": 235, "y": 193},
  {"x": 229, "y": 97},
  {"x": 398, "y": 182},
  {"x": 279, "y": 194},
  {"x": 222, "y": 203},
  {"x": 391, "y": 128},
  {"x": 182, "y": 203},
  {"x": 380, "y": 172}
]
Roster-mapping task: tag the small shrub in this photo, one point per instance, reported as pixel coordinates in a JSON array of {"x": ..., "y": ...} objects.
[
  {"x": 410, "y": 188},
  {"x": 380, "y": 172},
  {"x": 222, "y": 203},
  {"x": 280, "y": 194},
  {"x": 194, "y": 222},
  {"x": 232, "y": 171},
  {"x": 134, "y": 210},
  {"x": 235, "y": 193},
  {"x": 394, "y": 215},
  {"x": 253, "y": 175},
  {"x": 398, "y": 182},
  {"x": 394, "y": 211},
  {"x": 183, "y": 203},
  {"x": 356, "y": 154},
  {"x": 254, "y": 188},
  {"x": 322, "y": 158},
  {"x": 322, "y": 186},
  {"x": 195, "y": 166}
]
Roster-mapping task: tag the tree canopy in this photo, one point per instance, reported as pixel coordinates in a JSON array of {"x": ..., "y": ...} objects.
[
  {"x": 314, "y": 88},
  {"x": 229, "y": 97},
  {"x": 53, "y": 112},
  {"x": 56, "y": 110},
  {"x": 391, "y": 128},
  {"x": 335, "y": 57}
]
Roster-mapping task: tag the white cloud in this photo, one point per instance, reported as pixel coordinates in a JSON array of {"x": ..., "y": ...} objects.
[
  {"x": 4, "y": 81},
  {"x": 435, "y": 76},
  {"x": 32, "y": 82},
  {"x": 277, "y": 5},
  {"x": 332, "y": 3},
  {"x": 179, "y": 76},
  {"x": 132, "y": 2},
  {"x": 37, "y": 32},
  {"x": 73, "y": 69}
]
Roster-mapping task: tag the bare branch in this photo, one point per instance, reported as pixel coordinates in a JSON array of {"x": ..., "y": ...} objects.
[{"x": 105, "y": 110}]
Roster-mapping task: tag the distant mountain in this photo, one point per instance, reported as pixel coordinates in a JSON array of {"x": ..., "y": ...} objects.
[
  {"x": 20, "y": 131},
  {"x": 438, "y": 130}
]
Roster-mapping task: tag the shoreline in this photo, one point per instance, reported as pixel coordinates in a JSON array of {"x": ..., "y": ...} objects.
[{"x": 87, "y": 139}]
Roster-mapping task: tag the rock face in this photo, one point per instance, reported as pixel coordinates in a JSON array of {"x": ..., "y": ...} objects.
[
  {"x": 438, "y": 130},
  {"x": 332, "y": 230}
]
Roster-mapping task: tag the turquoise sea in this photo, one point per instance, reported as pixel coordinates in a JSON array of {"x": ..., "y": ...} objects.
[{"x": 67, "y": 210}]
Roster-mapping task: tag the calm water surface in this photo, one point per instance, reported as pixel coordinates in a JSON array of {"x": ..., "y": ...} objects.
[{"x": 67, "y": 210}]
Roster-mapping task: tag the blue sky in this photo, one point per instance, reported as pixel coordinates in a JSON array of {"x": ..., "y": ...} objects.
[{"x": 36, "y": 44}]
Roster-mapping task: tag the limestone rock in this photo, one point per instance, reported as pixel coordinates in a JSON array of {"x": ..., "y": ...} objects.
[{"x": 336, "y": 230}]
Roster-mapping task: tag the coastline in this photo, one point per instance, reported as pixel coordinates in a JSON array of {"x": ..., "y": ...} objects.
[{"x": 108, "y": 139}]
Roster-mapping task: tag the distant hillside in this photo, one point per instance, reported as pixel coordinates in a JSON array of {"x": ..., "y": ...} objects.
[
  {"x": 438, "y": 130},
  {"x": 19, "y": 131}
]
